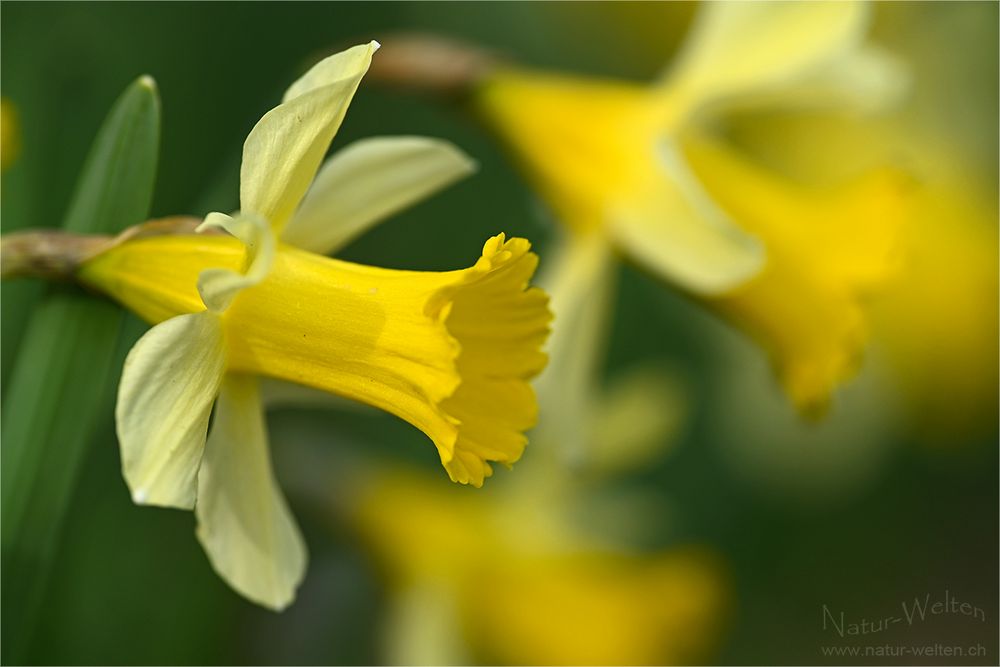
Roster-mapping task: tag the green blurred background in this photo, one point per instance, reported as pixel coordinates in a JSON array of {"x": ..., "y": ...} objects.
[{"x": 858, "y": 523}]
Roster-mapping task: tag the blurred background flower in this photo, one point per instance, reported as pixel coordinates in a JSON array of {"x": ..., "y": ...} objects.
[{"x": 723, "y": 522}]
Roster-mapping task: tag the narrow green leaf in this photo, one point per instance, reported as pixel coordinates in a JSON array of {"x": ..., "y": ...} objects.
[{"x": 60, "y": 384}]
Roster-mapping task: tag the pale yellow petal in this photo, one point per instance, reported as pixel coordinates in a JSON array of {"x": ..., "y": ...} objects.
[
  {"x": 580, "y": 280},
  {"x": 170, "y": 379},
  {"x": 673, "y": 228},
  {"x": 285, "y": 148},
  {"x": 218, "y": 286},
  {"x": 749, "y": 48},
  {"x": 636, "y": 420},
  {"x": 244, "y": 523},
  {"x": 367, "y": 182},
  {"x": 420, "y": 626},
  {"x": 866, "y": 79},
  {"x": 339, "y": 66}
]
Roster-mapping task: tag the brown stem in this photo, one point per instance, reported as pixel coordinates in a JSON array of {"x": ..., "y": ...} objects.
[
  {"x": 56, "y": 255},
  {"x": 432, "y": 64}
]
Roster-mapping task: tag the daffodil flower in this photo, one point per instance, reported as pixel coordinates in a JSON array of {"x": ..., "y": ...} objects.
[
  {"x": 626, "y": 169},
  {"x": 452, "y": 353},
  {"x": 528, "y": 586}
]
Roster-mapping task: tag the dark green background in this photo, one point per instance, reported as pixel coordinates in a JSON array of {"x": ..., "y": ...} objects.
[{"x": 133, "y": 586}]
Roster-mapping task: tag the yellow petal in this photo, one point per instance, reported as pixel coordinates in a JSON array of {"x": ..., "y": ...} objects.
[
  {"x": 244, "y": 522},
  {"x": 367, "y": 182},
  {"x": 452, "y": 353},
  {"x": 750, "y": 48},
  {"x": 170, "y": 379},
  {"x": 285, "y": 148},
  {"x": 219, "y": 286}
]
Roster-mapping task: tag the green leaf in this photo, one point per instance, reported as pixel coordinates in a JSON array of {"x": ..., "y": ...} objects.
[{"x": 60, "y": 386}]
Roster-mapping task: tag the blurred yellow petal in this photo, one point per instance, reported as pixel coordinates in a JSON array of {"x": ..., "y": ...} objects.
[
  {"x": 10, "y": 134},
  {"x": 738, "y": 49},
  {"x": 937, "y": 320},
  {"x": 420, "y": 624},
  {"x": 170, "y": 379},
  {"x": 416, "y": 529},
  {"x": 597, "y": 609},
  {"x": 635, "y": 419},
  {"x": 521, "y": 596},
  {"x": 675, "y": 230},
  {"x": 597, "y": 153},
  {"x": 285, "y": 148},
  {"x": 827, "y": 249},
  {"x": 244, "y": 523},
  {"x": 367, "y": 182},
  {"x": 452, "y": 353},
  {"x": 580, "y": 279},
  {"x": 865, "y": 79},
  {"x": 218, "y": 287}
]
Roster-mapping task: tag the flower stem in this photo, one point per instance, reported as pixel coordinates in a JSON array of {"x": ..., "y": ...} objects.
[
  {"x": 431, "y": 64},
  {"x": 56, "y": 255}
]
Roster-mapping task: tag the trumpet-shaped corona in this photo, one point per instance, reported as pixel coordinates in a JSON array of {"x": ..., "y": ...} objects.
[{"x": 441, "y": 350}]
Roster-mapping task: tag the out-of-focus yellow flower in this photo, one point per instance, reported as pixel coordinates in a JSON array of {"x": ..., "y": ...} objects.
[
  {"x": 828, "y": 249},
  {"x": 10, "y": 134},
  {"x": 937, "y": 321},
  {"x": 625, "y": 167},
  {"x": 934, "y": 319},
  {"x": 503, "y": 577},
  {"x": 452, "y": 352}
]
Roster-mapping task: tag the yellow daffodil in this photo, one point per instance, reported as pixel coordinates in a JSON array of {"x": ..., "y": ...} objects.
[
  {"x": 637, "y": 170},
  {"x": 527, "y": 586},
  {"x": 828, "y": 248},
  {"x": 933, "y": 320},
  {"x": 452, "y": 353}
]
